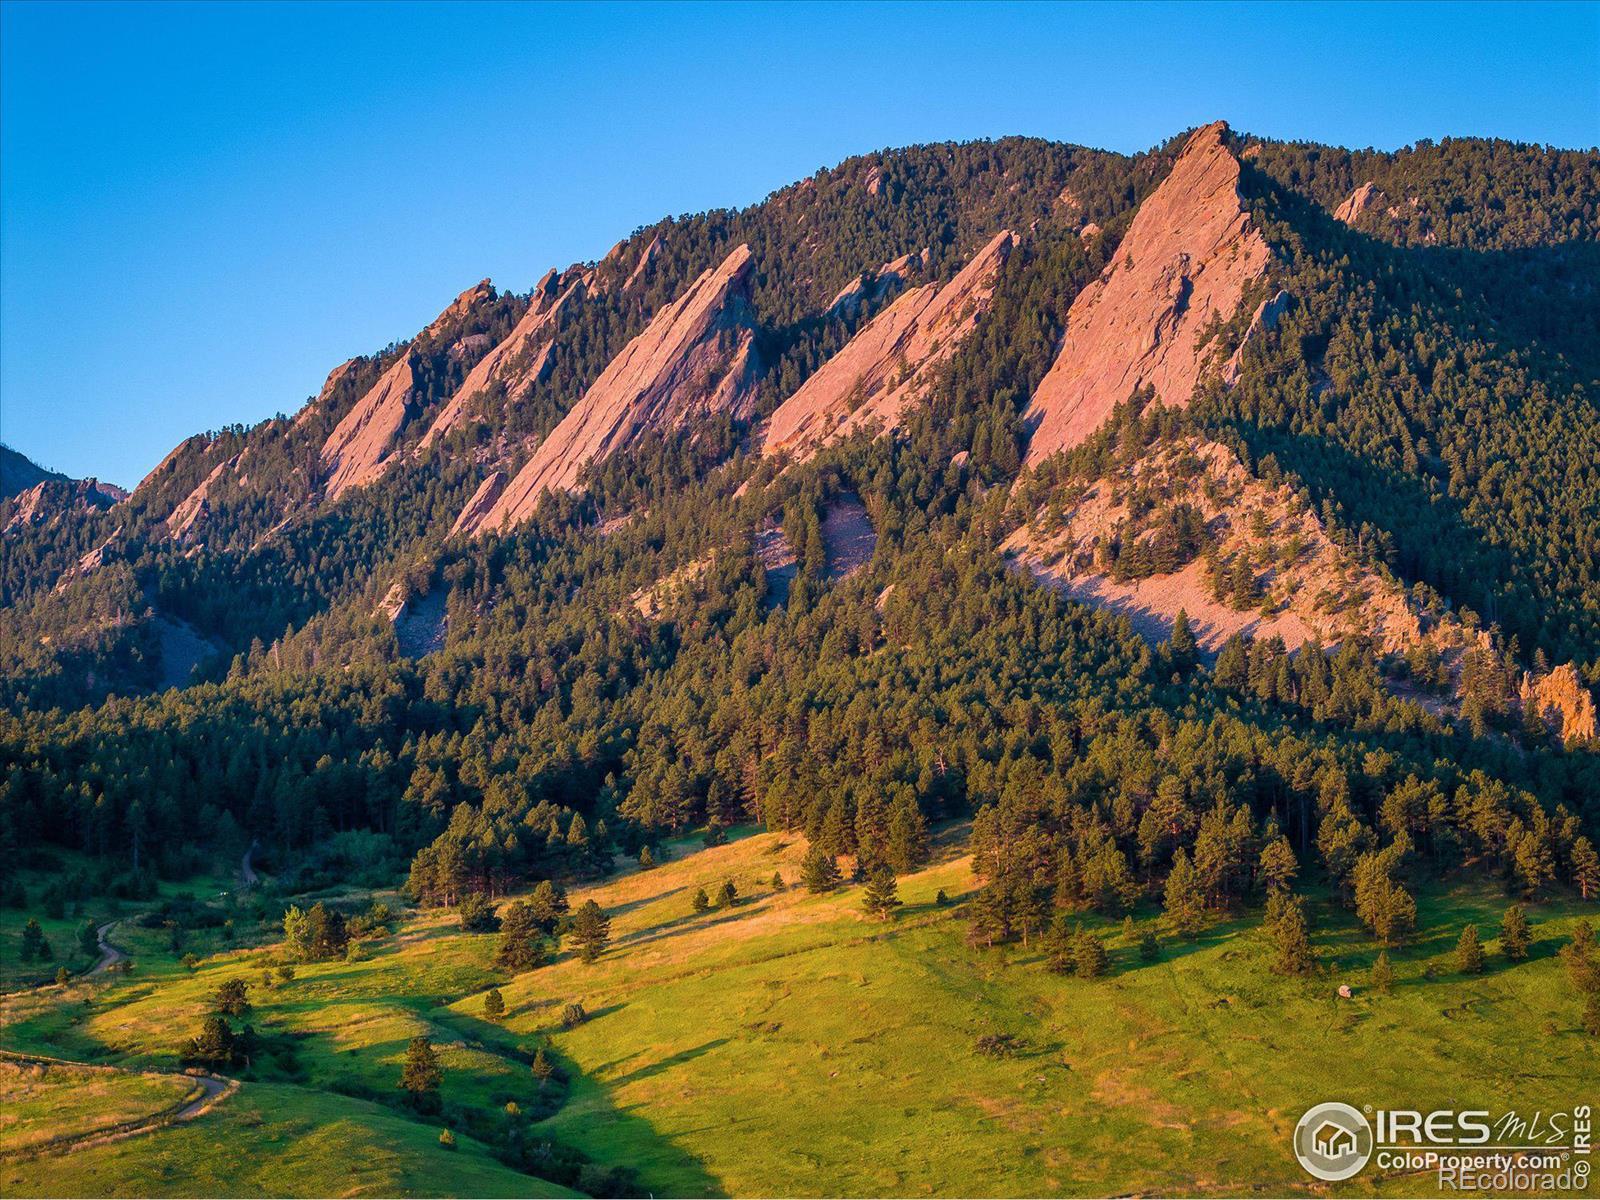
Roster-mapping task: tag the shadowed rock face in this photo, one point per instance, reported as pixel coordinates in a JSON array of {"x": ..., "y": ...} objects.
[
  {"x": 883, "y": 369},
  {"x": 1188, "y": 256},
  {"x": 693, "y": 359},
  {"x": 196, "y": 503},
  {"x": 521, "y": 360},
  {"x": 1365, "y": 197}
]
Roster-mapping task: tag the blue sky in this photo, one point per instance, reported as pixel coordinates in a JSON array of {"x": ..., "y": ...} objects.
[{"x": 203, "y": 209}]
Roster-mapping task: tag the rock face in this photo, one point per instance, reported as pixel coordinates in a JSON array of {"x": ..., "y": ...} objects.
[
  {"x": 360, "y": 447},
  {"x": 1189, "y": 255},
  {"x": 1264, "y": 320},
  {"x": 862, "y": 290},
  {"x": 1562, "y": 702},
  {"x": 195, "y": 505},
  {"x": 693, "y": 359},
  {"x": 334, "y": 376},
  {"x": 1365, "y": 197},
  {"x": 482, "y": 503},
  {"x": 883, "y": 369},
  {"x": 521, "y": 360}
]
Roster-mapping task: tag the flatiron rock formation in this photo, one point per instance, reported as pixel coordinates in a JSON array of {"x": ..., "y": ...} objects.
[
  {"x": 692, "y": 360},
  {"x": 883, "y": 369},
  {"x": 1188, "y": 256}
]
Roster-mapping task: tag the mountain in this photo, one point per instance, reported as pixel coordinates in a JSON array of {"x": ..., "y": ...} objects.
[
  {"x": 31, "y": 495},
  {"x": 1009, "y": 481}
]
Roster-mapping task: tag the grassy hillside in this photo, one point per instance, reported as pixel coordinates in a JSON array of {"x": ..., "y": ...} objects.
[{"x": 793, "y": 1045}]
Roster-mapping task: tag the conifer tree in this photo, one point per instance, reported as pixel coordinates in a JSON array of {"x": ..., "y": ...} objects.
[
  {"x": 882, "y": 893},
  {"x": 1382, "y": 974},
  {"x": 727, "y": 894},
  {"x": 494, "y": 1004},
  {"x": 522, "y": 945},
  {"x": 421, "y": 1075},
  {"x": 35, "y": 945},
  {"x": 1469, "y": 952},
  {"x": 820, "y": 870},
  {"x": 700, "y": 901},
  {"x": 1060, "y": 946},
  {"x": 1585, "y": 867},
  {"x": 1091, "y": 959},
  {"x": 1149, "y": 947},
  {"x": 591, "y": 931},
  {"x": 1183, "y": 899},
  {"x": 1514, "y": 934},
  {"x": 1291, "y": 934}
]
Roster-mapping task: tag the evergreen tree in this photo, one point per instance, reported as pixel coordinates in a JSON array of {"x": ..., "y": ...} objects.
[
  {"x": 494, "y": 1004},
  {"x": 882, "y": 893},
  {"x": 232, "y": 998},
  {"x": 1149, "y": 947},
  {"x": 421, "y": 1075},
  {"x": 1591, "y": 1015},
  {"x": 1291, "y": 934},
  {"x": 522, "y": 944},
  {"x": 548, "y": 902},
  {"x": 1182, "y": 647},
  {"x": 1514, "y": 934},
  {"x": 1060, "y": 946},
  {"x": 700, "y": 901},
  {"x": 477, "y": 914},
  {"x": 777, "y": 882},
  {"x": 1183, "y": 899},
  {"x": 820, "y": 870},
  {"x": 646, "y": 859},
  {"x": 727, "y": 894},
  {"x": 1585, "y": 867},
  {"x": 35, "y": 945},
  {"x": 1091, "y": 959},
  {"x": 1278, "y": 866},
  {"x": 296, "y": 934},
  {"x": 1382, "y": 974},
  {"x": 542, "y": 1068},
  {"x": 591, "y": 931},
  {"x": 89, "y": 940},
  {"x": 1469, "y": 952},
  {"x": 908, "y": 835},
  {"x": 215, "y": 1045}
]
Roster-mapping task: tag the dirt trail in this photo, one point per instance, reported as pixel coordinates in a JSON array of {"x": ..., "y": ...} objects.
[
  {"x": 110, "y": 955},
  {"x": 247, "y": 873}
]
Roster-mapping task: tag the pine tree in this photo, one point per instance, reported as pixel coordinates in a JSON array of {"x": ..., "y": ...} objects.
[
  {"x": 727, "y": 894},
  {"x": 1514, "y": 934},
  {"x": 1149, "y": 947},
  {"x": 1183, "y": 899},
  {"x": 232, "y": 998},
  {"x": 494, "y": 1004},
  {"x": 1469, "y": 952},
  {"x": 522, "y": 945},
  {"x": 1183, "y": 648},
  {"x": 777, "y": 882},
  {"x": 700, "y": 901},
  {"x": 1291, "y": 934},
  {"x": 89, "y": 940},
  {"x": 1278, "y": 865},
  {"x": 1382, "y": 974},
  {"x": 820, "y": 871},
  {"x": 296, "y": 934},
  {"x": 908, "y": 835},
  {"x": 549, "y": 904},
  {"x": 421, "y": 1076},
  {"x": 882, "y": 894},
  {"x": 591, "y": 931},
  {"x": 646, "y": 859},
  {"x": 1585, "y": 867},
  {"x": 542, "y": 1068},
  {"x": 1092, "y": 960},
  {"x": 34, "y": 943},
  {"x": 1060, "y": 947},
  {"x": 477, "y": 914},
  {"x": 215, "y": 1045}
]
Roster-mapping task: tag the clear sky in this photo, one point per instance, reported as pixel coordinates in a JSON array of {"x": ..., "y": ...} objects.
[{"x": 203, "y": 209}]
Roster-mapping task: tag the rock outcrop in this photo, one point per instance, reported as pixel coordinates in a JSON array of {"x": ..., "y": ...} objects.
[
  {"x": 197, "y": 503},
  {"x": 1188, "y": 257},
  {"x": 866, "y": 288},
  {"x": 520, "y": 360},
  {"x": 693, "y": 359},
  {"x": 884, "y": 368},
  {"x": 1364, "y": 198},
  {"x": 1562, "y": 702},
  {"x": 1263, "y": 320},
  {"x": 478, "y": 508},
  {"x": 361, "y": 445},
  {"x": 18, "y": 473},
  {"x": 646, "y": 258},
  {"x": 334, "y": 376}
]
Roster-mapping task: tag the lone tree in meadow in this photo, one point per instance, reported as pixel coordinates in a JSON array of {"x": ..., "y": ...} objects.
[
  {"x": 1514, "y": 934},
  {"x": 1382, "y": 974},
  {"x": 34, "y": 943},
  {"x": 777, "y": 881},
  {"x": 89, "y": 940},
  {"x": 883, "y": 894},
  {"x": 233, "y": 998},
  {"x": 1060, "y": 946},
  {"x": 494, "y": 1004},
  {"x": 542, "y": 1067},
  {"x": 591, "y": 931},
  {"x": 1091, "y": 959},
  {"x": 699, "y": 902},
  {"x": 820, "y": 871},
  {"x": 727, "y": 894},
  {"x": 421, "y": 1076},
  {"x": 215, "y": 1045},
  {"x": 1149, "y": 947},
  {"x": 522, "y": 945},
  {"x": 1469, "y": 952}
]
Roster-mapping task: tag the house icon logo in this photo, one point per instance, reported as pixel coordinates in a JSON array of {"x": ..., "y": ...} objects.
[{"x": 1333, "y": 1141}]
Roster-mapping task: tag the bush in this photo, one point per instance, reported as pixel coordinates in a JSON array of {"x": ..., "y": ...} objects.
[
  {"x": 447, "y": 1139},
  {"x": 573, "y": 1015}
]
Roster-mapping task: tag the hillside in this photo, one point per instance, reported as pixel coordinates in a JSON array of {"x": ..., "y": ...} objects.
[{"x": 1202, "y": 542}]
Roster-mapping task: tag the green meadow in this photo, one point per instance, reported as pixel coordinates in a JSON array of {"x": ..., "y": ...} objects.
[{"x": 793, "y": 1045}]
